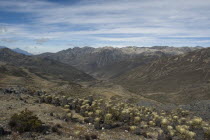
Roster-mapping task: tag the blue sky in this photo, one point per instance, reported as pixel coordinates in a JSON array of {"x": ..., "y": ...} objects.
[{"x": 52, "y": 25}]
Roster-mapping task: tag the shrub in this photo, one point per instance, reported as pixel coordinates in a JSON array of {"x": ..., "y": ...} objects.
[
  {"x": 93, "y": 136},
  {"x": 2, "y": 132},
  {"x": 55, "y": 129},
  {"x": 90, "y": 136},
  {"x": 25, "y": 121}
]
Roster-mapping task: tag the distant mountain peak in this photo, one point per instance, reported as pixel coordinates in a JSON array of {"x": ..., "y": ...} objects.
[
  {"x": 6, "y": 50},
  {"x": 18, "y": 50},
  {"x": 2, "y": 47}
]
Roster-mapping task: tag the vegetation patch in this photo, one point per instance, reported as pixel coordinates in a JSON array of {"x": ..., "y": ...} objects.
[{"x": 25, "y": 121}]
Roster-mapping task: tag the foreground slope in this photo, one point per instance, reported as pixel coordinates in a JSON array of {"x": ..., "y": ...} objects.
[
  {"x": 177, "y": 79},
  {"x": 64, "y": 117}
]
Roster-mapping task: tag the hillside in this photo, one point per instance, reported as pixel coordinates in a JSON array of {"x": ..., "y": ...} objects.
[
  {"x": 177, "y": 79},
  {"x": 44, "y": 67},
  {"x": 17, "y": 70},
  {"x": 116, "y": 69},
  {"x": 107, "y": 62}
]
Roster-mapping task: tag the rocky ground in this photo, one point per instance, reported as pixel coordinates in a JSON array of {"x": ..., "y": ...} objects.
[{"x": 60, "y": 126}]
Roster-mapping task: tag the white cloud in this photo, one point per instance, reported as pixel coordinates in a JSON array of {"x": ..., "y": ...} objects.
[
  {"x": 37, "y": 49},
  {"x": 8, "y": 40},
  {"x": 41, "y": 40},
  {"x": 3, "y": 30}
]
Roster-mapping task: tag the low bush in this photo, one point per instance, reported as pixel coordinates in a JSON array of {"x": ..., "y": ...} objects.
[{"x": 25, "y": 121}]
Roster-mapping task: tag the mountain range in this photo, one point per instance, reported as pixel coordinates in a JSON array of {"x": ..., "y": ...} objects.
[
  {"x": 107, "y": 62},
  {"x": 55, "y": 77},
  {"x": 165, "y": 74}
]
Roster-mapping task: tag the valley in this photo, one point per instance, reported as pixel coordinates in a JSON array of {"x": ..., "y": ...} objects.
[{"x": 161, "y": 73}]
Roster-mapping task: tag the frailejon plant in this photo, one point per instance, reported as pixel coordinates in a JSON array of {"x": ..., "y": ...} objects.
[{"x": 177, "y": 123}]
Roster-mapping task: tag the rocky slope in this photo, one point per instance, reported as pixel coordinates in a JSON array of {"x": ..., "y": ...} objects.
[
  {"x": 103, "y": 62},
  {"x": 178, "y": 79}
]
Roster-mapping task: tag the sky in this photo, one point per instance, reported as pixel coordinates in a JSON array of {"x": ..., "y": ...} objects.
[{"x": 39, "y": 26}]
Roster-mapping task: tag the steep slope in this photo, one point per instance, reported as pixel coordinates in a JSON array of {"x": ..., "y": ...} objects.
[
  {"x": 43, "y": 67},
  {"x": 107, "y": 62},
  {"x": 118, "y": 68},
  {"x": 178, "y": 79}
]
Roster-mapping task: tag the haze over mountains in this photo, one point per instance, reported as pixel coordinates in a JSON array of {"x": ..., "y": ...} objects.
[{"x": 18, "y": 50}]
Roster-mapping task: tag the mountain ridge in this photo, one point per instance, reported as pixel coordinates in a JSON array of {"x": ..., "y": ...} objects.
[{"x": 94, "y": 60}]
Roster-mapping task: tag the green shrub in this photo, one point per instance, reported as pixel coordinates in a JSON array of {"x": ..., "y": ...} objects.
[{"x": 25, "y": 121}]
